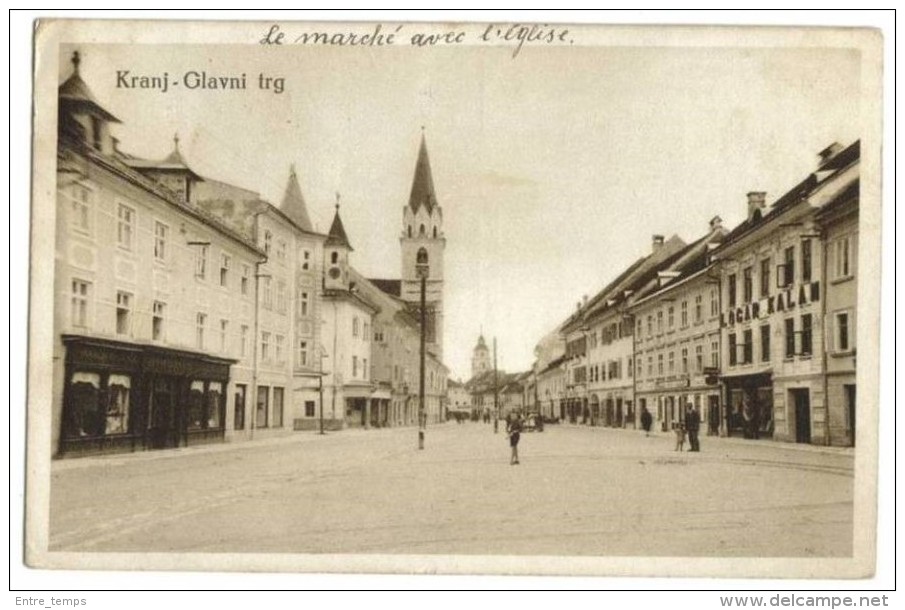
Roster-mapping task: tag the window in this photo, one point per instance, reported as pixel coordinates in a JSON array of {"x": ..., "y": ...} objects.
[
  {"x": 650, "y": 325},
  {"x": 684, "y": 314},
  {"x": 224, "y": 269},
  {"x": 659, "y": 321},
  {"x": 842, "y": 332},
  {"x": 714, "y": 303},
  {"x": 268, "y": 294},
  {"x": 630, "y": 368},
  {"x": 125, "y": 226},
  {"x": 224, "y": 334},
  {"x": 366, "y": 331},
  {"x": 278, "y": 348},
  {"x": 123, "y": 313},
  {"x": 161, "y": 235},
  {"x": 659, "y": 364},
  {"x": 303, "y": 303},
  {"x": 309, "y": 408},
  {"x": 306, "y": 260},
  {"x": 239, "y": 407},
  {"x": 201, "y": 261},
  {"x": 672, "y": 362},
  {"x": 334, "y": 257},
  {"x": 157, "y": 318},
  {"x": 243, "y": 340},
  {"x": 640, "y": 327},
  {"x": 671, "y": 316},
  {"x": 278, "y": 407},
  {"x": 78, "y": 315},
  {"x": 806, "y": 335},
  {"x": 698, "y": 308},
  {"x": 640, "y": 372},
  {"x": 684, "y": 359},
  {"x": 788, "y": 268},
  {"x": 281, "y": 296},
  {"x": 281, "y": 251},
  {"x": 119, "y": 389},
  {"x": 731, "y": 284},
  {"x": 765, "y": 343},
  {"x": 747, "y": 284},
  {"x": 748, "y": 347},
  {"x": 80, "y": 209},
  {"x": 355, "y": 324},
  {"x": 765, "y": 277},
  {"x": 200, "y": 321},
  {"x": 262, "y": 409},
  {"x": 268, "y": 241},
  {"x": 650, "y": 366},
  {"x": 733, "y": 349},
  {"x": 302, "y": 355},
  {"x": 354, "y": 366},
  {"x": 364, "y": 369},
  {"x": 265, "y": 346},
  {"x": 698, "y": 358},
  {"x": 243, "y": 283},
  {"x": 715, "y": 354},
  {"x": 805, "y": 260},
  {"x": 790, "y": 337},
  {"x": 842, "y": 267}
]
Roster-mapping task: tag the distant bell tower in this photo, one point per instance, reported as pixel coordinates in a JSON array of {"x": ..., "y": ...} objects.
[
  {"x": 480, "y": 359},
  {"x": 422, "y": 232}
]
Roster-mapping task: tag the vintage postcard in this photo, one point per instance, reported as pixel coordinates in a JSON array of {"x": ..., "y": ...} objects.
[{"x": 456, "y": 298}]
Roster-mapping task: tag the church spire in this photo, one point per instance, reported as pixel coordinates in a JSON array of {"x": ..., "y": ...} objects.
[
  {"x": 423, "y": 192},
  {"x": 293, "y": 204},
  {"x": 337, "y": 235}
]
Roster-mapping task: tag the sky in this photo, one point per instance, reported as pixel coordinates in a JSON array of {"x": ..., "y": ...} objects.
[{"x": 553, "y": 168}]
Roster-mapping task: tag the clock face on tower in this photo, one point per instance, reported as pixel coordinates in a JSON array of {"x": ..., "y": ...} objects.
[{"x": 334, "y": 273}]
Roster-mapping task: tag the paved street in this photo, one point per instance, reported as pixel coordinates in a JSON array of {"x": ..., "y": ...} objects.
[{"x": 578, "y": 491}]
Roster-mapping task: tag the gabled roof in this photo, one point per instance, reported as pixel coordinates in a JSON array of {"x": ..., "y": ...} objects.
[
  {"x": 337, "y": 234},
  {"x": 390, "y": 287},
  {"x": 685, "y": 263},
  {"x": 74, "y": 92},
  {"x": 423, "y": 192},
  {"x": 293, "y": 204},
  {"x": 173, "y": 162}
]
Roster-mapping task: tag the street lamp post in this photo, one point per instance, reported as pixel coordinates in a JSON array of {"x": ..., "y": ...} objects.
[{"x": 422, "y": 269}]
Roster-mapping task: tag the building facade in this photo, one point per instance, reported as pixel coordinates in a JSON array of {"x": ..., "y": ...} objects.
[{"x": 772, "y": 310}]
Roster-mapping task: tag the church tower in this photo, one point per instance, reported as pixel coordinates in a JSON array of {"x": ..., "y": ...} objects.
[
  {"x": 422, "y": 234},
  {"x": 480, "y": 359},
  {"x": 336, "y": 255}
]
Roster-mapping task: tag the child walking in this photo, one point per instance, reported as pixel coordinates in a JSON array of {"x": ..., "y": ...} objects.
[{"x": 679, "y": 428}]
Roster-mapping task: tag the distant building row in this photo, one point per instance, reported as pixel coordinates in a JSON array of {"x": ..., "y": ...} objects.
[
  {"x": 190, "y": 310},
  {"x": 755, "y": 326}
]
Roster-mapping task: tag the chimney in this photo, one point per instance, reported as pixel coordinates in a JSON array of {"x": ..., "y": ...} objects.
[
  {"x": 756, "y": 204},
  {"x": 828, "y": 153},
  {"x": 584, "y": 299},
  {"x": 657, "y": 242},
  {"x": 715, "y": 223}
]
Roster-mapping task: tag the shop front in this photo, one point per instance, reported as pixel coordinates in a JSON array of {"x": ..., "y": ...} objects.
[
  {"x": 121, "y": 397},
  {"x": 749, "y": 405}
]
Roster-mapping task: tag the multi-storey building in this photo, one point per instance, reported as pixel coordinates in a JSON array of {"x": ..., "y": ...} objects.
[
  {"x": 677, "y": 336},
  {"x": 838, "y": 220},
  {"x": 772, "y": 309},
  {"x": 146, "y": 325}
]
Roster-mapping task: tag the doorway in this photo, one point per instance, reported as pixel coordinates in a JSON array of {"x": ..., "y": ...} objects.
[
  {"x": 801, "y": 402},
  {"x": 163, "y": 425},
  {"x": 850, "y": 410}
]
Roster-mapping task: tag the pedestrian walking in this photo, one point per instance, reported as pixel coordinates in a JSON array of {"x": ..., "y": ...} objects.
[
  {"x": 646, "y": 420},
  {"x": 514, "y": 430},
  {"x": 679, "y": 429},
  {"x": 693, "y": 425}
]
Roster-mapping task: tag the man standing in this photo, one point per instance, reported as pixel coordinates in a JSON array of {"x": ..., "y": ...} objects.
[{"x": 693, "y": 425}]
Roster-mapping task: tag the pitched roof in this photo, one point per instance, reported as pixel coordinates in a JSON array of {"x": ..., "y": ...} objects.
[
  {"x": 390, "y": 287},
  {"x": 423, "y": 192},
  {"x": 337, "y": 234},
  {"x": 76, "y": 93},
  {"x": 293, "y": 204},
  {"x": 173, "y": 162}
]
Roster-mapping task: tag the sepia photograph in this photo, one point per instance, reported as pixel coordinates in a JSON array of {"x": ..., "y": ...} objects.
[{"x": 454, "y": 298}]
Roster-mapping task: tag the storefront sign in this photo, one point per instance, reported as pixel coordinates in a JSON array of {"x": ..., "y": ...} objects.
[{"x": 784, "y": 301}]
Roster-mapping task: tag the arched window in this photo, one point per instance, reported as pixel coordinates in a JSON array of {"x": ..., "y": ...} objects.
[
  {"x": 421, "y": 230},
  {"x": 435, "y": 232},
  {"x": 421, "y": 257},
  {"x": 334, "y": 257}
]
